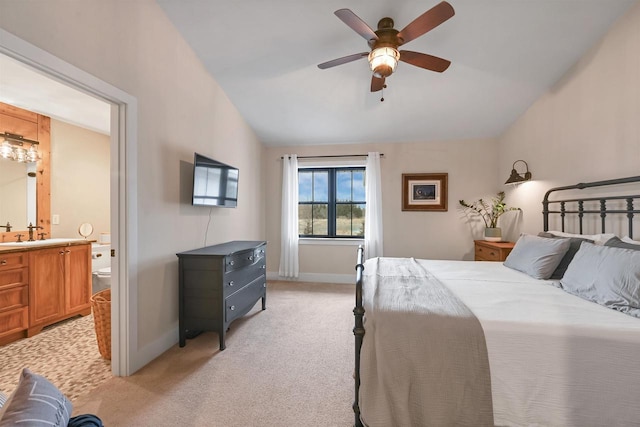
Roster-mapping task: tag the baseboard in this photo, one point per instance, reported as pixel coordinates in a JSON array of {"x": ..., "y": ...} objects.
[
  {"x": 149, "y": 352},
  {"x": 315, "y": 277}
]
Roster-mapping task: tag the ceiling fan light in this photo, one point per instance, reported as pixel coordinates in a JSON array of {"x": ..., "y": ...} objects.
[{"x": 383, "y": 61}]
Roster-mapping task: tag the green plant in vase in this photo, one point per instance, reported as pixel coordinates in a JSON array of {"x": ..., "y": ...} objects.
[{"x": 490, "y": 211}]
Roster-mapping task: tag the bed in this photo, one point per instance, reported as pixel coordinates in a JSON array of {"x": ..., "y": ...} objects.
[{"x": 486, "y": 343}]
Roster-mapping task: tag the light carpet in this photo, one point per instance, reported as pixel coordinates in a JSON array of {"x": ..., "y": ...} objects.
[{"x": 290, "y": 365}]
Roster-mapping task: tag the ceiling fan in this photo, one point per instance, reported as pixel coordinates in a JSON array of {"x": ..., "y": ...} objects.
[{"x": 385, "y": 41}]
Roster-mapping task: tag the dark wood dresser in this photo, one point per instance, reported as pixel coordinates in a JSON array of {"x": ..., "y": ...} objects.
[{"x": 219, "y": 284}]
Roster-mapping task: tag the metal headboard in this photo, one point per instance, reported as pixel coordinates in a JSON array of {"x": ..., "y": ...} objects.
[{"x": 602, "y": 201}]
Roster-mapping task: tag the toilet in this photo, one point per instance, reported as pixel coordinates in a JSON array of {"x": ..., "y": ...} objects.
[{"x": 100, "y": 267}]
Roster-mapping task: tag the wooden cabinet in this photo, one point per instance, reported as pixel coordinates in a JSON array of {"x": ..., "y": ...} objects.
[
  {"x": 492, "y": 251},
  {"x": 41, "y": 286},
  {"x": 14, "y": 296},
  {"x": 218, "y": 284},
  {"x": 59, "y": 284},
  {"x": 77, "y": 279}
]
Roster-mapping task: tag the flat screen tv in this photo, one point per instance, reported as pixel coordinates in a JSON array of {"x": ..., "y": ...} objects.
[{"x": 214, "y": 183}]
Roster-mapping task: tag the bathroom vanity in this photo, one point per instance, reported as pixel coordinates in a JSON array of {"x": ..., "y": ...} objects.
[
  {"x": 219, "y": 284},
  {"x": 41, "y": 283}
]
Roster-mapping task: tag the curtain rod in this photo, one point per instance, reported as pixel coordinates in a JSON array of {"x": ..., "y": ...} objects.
[{"x": 336, "y": 155}]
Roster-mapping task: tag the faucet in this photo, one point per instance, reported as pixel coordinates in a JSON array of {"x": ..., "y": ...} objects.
[
  {"x": 8, "y": 226},
  {"x": 32, "y": 227}
]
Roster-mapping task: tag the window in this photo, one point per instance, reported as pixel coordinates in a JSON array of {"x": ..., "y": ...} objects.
[{"x": 331, "y": 202}]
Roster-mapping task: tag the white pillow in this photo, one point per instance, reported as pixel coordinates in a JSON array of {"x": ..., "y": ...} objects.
[
  {"x": 598, "y": 239},
  {"x": 628, "y": 239}
]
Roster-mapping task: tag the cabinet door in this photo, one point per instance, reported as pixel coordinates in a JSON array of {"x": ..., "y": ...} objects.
[
  {"x": 77, "y": 277},
  {"x": 46, "y": 285}
]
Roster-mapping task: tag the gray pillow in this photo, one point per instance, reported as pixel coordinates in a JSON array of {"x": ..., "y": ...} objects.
[
  {"x": 36, "y": 402},
  {"x": 617, "y": 243},
  {"x": 537, "y": 256},
  {"x": 606, "y": 275},
  {"x": 566, "y": 259}
]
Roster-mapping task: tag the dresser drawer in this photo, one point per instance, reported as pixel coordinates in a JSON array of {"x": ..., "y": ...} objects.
[
  {"x": 239, "y": 303},
  {"x": 487, "y": 254},
  {"x": 16, "y": 276},
  {"x": 243, "y": 259},
  {"x": 236, "y": 279},
  {"x": 492, "y": 251},
  {"x": 13, "y": 297},
  {"x": 13, "y": 260},
  {"x": 14, "y": 321}
]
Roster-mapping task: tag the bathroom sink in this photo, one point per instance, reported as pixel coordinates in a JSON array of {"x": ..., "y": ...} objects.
[{"x": 40, "y": 242}]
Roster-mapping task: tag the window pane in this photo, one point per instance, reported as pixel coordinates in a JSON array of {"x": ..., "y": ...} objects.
[
  {"x": 320, "y": 221},
  {"x": 357, "y": 228},
  {"x": 343, "y": 219},
  {"x": 320, "y": 186},
  {"x": 358, "y": 186},
  {"x": 350, "y": 219},
  {"x": 343, "y": 186},
  {"x": 304, "y": 186},
  {"x": 305, "y": 224}
]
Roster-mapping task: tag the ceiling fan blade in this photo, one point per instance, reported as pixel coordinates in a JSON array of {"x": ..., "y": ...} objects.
[
  {"x": 426, "y": 22},
  {"x": 356, "y": 24},
  {"x": 377, "y": 83},
  {"x": 423, "y": 60},
  {"x": 343, "y": 60}
]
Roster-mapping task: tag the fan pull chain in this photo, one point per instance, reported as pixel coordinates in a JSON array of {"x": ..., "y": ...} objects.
[{"x": 382, "y": 93}]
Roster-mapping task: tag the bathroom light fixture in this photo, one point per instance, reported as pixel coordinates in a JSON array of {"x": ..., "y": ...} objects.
[
  {"x": 517, "y": 177},
  {"x": 13, "y": 148},
  {"x": 383, "y": 61}
]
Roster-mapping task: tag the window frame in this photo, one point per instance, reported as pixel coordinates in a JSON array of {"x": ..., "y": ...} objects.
[{"x": 332, "y": 201}]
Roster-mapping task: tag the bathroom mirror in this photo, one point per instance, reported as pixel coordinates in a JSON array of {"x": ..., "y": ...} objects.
[
  {"x": 25, "y": 188},
  {"x": 17, "y": 194}
]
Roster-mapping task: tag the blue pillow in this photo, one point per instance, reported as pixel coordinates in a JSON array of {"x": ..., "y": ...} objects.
[
  {"x": 606, "y": 275},
  {"x": 537, "y": 256},
  {"x": 36, "y": 402}
]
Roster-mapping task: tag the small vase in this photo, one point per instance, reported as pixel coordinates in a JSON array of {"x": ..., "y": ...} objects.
[{"x": 493, "y": 234}]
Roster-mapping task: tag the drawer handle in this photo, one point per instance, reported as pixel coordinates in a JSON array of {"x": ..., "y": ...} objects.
[
  {"x": 264, "y": 285},
  {"x": 232, "y": 308},
  {"x": 250, "y": 257},
  {"x": 264, "y": 266},
  {"x": 231, "y": 283},
  {"x": 230, "y": 262},
  {"x": 3, "y": 262},
  {"x": 61, "y": 252},
  {"x": 492, "y": 253}
]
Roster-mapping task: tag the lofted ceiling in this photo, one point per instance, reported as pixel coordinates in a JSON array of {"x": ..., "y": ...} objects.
[{"x": 504, "y": 54}]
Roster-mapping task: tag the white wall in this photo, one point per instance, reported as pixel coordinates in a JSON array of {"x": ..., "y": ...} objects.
[
  {"x": 80, "y": 176},
  {"x": 472, "y": 172},
  {"x": 586, "y": 128},
  {"x": 181, "y": 109}
]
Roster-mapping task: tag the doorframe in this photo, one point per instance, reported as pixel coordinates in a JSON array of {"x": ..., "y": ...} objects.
[{"x": 124, "y": 188}]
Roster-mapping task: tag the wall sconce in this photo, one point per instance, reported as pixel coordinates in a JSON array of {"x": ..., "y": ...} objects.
[
  {"x": 516, "y": 177},
  {"x": 13, "y": 148}
]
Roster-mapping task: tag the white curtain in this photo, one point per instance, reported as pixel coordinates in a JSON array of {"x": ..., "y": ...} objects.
[
  {"x": 289, "y": 226},
  {"x": 373, "y": 215}
]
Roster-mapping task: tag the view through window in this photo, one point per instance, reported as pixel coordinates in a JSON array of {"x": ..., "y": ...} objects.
[{"x": 331, "y": 202}]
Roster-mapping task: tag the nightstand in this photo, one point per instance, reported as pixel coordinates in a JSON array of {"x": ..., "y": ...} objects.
[{"x": 492, "y": 251}]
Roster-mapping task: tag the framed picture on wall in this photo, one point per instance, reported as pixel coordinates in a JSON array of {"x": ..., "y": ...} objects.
[{"x": 424, "y": 192}]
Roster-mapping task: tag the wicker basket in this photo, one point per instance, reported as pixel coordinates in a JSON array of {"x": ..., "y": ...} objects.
[{"x": 101, "y": 307}]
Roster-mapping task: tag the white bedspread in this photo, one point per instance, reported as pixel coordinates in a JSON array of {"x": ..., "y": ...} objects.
[
  {"x": 424, "y": 359},
  {"x": 555, "y": 359}
]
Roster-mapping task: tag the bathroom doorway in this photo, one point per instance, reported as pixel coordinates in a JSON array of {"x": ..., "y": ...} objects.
[{"x": 123, "y": 141}]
